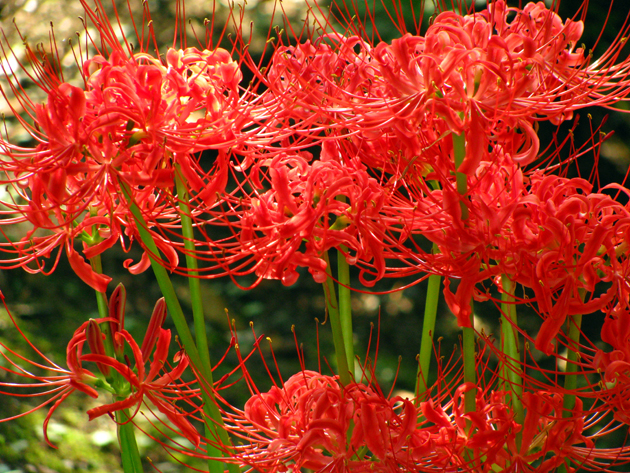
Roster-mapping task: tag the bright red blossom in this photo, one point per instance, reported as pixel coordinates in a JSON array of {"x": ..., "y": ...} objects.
[
  {"x": 121, "y": 136},
  {"x": 314, "y": 206},
  {"x": 304, "y": 424},
  {"x": 156, "y": 385}
]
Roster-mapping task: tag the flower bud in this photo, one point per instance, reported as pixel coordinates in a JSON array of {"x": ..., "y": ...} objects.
[
  {"x": 117, "y": 303},
  {"x": 153, "y": 330},
  {"x": 94, "y": 338}
]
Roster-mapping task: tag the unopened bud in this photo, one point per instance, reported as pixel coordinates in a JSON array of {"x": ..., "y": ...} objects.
[
  {"x": 117, "y": 303},
  {"x": 94, "y": 338},
  {"x": 153, "y": 330}
]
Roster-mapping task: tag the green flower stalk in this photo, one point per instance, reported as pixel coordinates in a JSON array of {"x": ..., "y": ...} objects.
[{"x": 214, "y": 420}]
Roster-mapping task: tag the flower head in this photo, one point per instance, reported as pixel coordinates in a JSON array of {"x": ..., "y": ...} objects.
[
  {"x": 132, "y": 386},
  {"x": 119, "y": 139}
]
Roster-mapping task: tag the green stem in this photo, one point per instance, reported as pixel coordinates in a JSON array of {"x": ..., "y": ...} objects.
[
  {"x": 177, "y": 314},
  {"x": 470, "y": 372},
  {"x": 194, "y": 285},
  {"x": 103, "y": 311},
  {"x": 341, "y": 323},
  {"x": 573, "y": 355},
  {"x": 470, "y": 376},
  {"x": 570, "y": 377},
  {"x": 345, "y": 377},
  {"x": 129, "y": 453},
  {"x": 510, "y": 347},
  {"x": 128, "y": 446},
  {"x": 459, "y": 151},
  {"x": 193, "y": 281},
  {"x": 468, "y": 342},
  {"x": 428, "y": 329},
  {"x": 345, "y": 305}
]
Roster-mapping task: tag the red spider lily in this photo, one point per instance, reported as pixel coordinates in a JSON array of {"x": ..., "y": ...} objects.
[
  {"x": 484, "y": 74},
  {"x": 469, "y": 247},
  {"x": 311, "y": 421},
  {"x": 308, "y": 420},
  {"x": 119, "y": 136},
  {"x": 566, "y": 241},
  {"x": 614, "y": 364},
  {"x": 131, "y": 387},
  {"x": 471, "y": 441},
  {"x": 312, "y": 207},
  {"x": 61, "y": 384},
  {"x": 573, "y": 427},
  {"x": 316, "y": 76},
  {"x": 144, "y": 385},
  {"x": 489, "y": 438},
  {"x": 160, "y": 387},
  {"x": 548, "y": 233},
  {"x": 481, "y": 73},
  {"x": 306, "y": 423},
  {"x": 550, "y": 437},
  {"x": 546, "y": 438}
]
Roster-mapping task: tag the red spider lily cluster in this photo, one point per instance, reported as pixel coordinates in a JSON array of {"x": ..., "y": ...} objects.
[
  {"x": 312, "y": 421},
  {"x": 378, "y": 150},
  {"x": 123, "y": 132}
]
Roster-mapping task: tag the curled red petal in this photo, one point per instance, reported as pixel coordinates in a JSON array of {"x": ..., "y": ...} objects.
[{"x": 82, "y": 269}]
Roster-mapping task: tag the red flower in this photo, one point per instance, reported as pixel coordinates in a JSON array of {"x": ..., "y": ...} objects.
[
  {"x": 135, "y": 120},
  {"x": 306, "y": 423},
  {"x": 60, "y": 384},
  {"x": 312, "y": 207},
  {"x": 485, "y": 75},
  {"x": 133, "y": 386},
  {"x": 564, "y": 241},
  {"x": 155, "y": 385}
]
